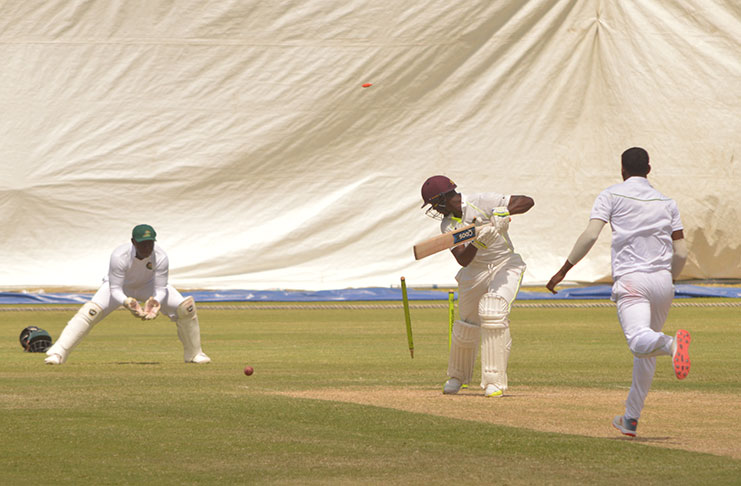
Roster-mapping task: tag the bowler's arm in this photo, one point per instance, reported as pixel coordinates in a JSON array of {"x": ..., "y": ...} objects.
[{"x": 583, "y": 244}]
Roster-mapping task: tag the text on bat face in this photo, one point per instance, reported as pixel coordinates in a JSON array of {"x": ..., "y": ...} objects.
[{"x": 464, "y": 235}]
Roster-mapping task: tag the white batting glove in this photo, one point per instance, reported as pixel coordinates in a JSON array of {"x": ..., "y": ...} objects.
[
  {"x": 133, "y": 305},
  {"x": 151, "y": 309},
  {"x": 500, "y": 219},
  {"x": 485, "y": 237}
]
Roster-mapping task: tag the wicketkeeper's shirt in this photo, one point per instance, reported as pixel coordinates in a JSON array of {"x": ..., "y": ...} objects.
[
  {"x": 126, "y": 271},
  {"x": 481, "y": 206},
  {"x": 642, "y": 221}
]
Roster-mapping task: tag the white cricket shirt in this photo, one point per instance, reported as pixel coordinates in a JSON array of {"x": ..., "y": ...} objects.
[
  {"x": 642, "y": 221},
  {"x": 127, "y": 271},
  {"x": 481, "y": 205}
]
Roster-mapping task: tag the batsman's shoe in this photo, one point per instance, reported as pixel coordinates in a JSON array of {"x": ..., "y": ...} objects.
[
  {"x": 493, "y": 391},
  {"x": 53, "y": 359},
  {"x": 681, "y": 354},
  {"x": 627, "y": 426},
  {"x": 452, "y": 386},
  {"x": 200, "y": 358}
]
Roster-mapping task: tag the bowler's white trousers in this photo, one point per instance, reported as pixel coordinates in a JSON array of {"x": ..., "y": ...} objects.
[{"x": 643, "y": 302}]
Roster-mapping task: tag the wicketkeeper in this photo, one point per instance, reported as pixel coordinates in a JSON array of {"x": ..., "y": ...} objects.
[
  {"x": 138, "y": 271},
  {"x": 488, "y": 281}
]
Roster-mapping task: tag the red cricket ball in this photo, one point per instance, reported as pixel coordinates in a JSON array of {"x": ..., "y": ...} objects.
[{"x": 248, "y": 370}]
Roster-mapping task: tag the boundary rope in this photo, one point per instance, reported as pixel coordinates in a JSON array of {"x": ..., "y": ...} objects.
[{"x": 343, "y": 306}]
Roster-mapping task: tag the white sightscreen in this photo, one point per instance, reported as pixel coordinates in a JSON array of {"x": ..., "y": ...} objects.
[{"x": 241, "y": 132}]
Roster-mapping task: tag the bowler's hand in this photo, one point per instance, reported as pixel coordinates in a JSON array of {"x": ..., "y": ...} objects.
[
  {"x": 555, "y": 280},
  {"x": 559, "y": 276}
]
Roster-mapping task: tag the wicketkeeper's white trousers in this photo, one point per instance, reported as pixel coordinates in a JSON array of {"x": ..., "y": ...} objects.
[
  {"x": 643, "y": 302},
  {"x": 169, "y": 307}
]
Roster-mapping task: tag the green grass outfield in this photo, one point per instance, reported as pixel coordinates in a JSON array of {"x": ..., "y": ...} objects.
[{"x": 125, "y": 410}]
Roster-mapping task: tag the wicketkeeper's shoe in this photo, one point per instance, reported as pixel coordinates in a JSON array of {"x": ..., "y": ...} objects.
[
  {"x": 492, "y": 391},
  {"x": 201, "y": 358},
  {"x": 681, "y": 354},
  {"x": 452, "y": 386},
  {"x": 53, "y": 359},
  {"x": 627, "y": 426}
]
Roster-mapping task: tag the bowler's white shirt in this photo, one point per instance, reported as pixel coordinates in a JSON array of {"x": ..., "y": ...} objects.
[
  {"x": 125, "y": 271},
  {"x": 481, "y": 205},
  {"x": 642, "y": 221}
]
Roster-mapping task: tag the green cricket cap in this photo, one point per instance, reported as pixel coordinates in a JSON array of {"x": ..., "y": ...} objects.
[{"x": 143, "y": 232}]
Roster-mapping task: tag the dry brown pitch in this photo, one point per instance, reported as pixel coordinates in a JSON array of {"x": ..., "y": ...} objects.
[{"x": 692, "y": 421}]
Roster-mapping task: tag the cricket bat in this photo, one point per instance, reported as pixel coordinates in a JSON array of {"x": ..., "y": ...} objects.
[{"x": 444, "y": 241}]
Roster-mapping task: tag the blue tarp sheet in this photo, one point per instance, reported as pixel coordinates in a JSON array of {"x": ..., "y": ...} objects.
[{"x": 367, "y": 294}]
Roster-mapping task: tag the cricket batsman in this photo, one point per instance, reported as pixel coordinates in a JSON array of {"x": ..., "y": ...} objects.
[
  {"x": 488, "y": 281},
  {"x": 138, "y": 271}
]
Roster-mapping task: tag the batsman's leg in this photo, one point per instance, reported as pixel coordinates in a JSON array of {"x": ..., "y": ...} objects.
[
  {"x": 189, "y": 332},
  {"x": 496, "y": 340},
  {"x": 472, "y": 284},
  {"x": 463, "y": 346},
  {"x": 496, "y": 343},
  {"x": 76, "y": 329}
]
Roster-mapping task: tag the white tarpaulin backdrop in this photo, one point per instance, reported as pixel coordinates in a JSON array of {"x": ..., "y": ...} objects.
[{"x": 241, "y": 132}]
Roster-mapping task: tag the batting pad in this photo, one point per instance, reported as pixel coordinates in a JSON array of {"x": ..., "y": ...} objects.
[
  {"x": 496, "y": 341},
  {"x": 496, "y": 344},
  {"x": 463, "y": 344},
  {"x": 493, "y": 310}
]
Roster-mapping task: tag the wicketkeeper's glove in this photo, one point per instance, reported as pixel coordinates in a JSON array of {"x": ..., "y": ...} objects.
[
  {"x": 151, "y": 309},
  {"x": 133, "y": 305}
]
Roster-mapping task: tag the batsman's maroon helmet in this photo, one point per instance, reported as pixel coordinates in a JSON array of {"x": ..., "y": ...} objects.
[{"x": 435, "y": 187}]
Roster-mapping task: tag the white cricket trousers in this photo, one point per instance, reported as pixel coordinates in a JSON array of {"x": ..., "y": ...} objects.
[
  {"x": 474, "y": 281},
  {"x": 643, "y": 302},
  {"x": 169, "y": 307}
]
